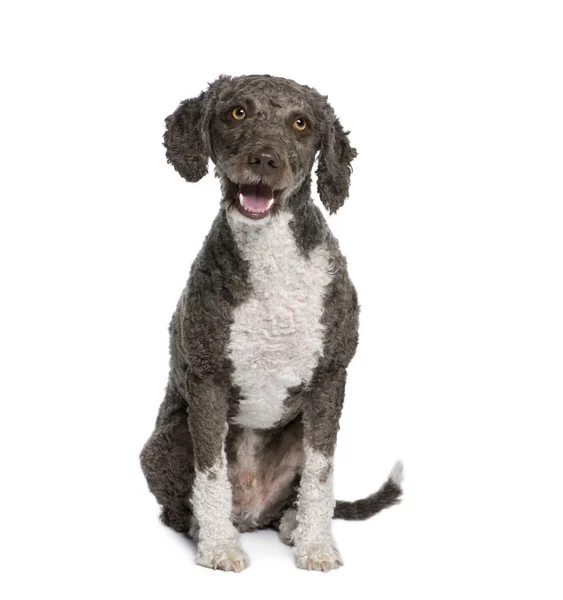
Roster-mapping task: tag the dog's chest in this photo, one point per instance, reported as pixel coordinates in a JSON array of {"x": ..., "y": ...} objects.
[{"x": 276, "y": 338}]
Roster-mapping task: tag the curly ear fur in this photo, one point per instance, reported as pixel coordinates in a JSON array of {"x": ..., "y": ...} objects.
[
  {"x": 186, "y": 138},
  {"x": 334, "y": 169}
]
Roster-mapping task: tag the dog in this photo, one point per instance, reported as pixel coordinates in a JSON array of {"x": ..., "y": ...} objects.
[{"x": 263, "y": 332}]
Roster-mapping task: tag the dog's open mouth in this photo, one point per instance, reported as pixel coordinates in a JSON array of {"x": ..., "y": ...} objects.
[{"x": 255, "y": 201}]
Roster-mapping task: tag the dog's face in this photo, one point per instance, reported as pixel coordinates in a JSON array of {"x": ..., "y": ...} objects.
[{"x": 263, "y": 134}]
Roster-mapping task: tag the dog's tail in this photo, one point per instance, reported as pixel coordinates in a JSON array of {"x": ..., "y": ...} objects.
[{"x": 387, "y": 495}]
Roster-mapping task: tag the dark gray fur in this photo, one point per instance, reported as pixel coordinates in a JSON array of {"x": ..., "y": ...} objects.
[{"x": 200, "y": 397}]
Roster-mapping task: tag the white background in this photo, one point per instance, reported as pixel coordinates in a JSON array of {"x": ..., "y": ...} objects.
[{"x": 453, "y": 234}]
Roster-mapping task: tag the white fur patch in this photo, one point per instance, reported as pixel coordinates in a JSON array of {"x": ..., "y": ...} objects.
[
  {"x": 276, "y": 337},
  {"x": 212, "y": 503},
  {"x": 397, "y": 473},
  {"x": 314, "y": 545},
  {"x": 217, "y": 545},
  {"x": 316, "y": 500}
]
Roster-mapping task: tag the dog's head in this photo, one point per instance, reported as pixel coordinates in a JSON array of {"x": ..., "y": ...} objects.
[{"x": 263, "y": 134}]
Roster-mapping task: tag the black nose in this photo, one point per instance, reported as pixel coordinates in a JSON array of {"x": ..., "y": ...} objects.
[{"x": 264, "y": 162}]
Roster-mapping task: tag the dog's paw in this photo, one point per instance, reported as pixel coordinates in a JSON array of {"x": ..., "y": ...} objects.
[
  {"x": 228, "y": 557},
  {"x": 318, "y": 558}
]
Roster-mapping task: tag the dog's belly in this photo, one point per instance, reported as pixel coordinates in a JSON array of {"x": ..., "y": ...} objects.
[
  {"x": 277, "y": 336},
  {"x": 262, "y": 469}
]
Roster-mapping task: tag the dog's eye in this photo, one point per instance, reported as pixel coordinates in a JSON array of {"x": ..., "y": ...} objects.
[
  {"x": 300, "y": 124},
  {"x": 238, "y": 113}
]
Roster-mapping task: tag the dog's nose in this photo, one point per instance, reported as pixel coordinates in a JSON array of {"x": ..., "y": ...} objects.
[{"x": 264, "y": 162}]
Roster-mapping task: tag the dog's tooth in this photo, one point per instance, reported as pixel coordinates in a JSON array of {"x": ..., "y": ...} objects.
[{"x": 240, "y": 199}]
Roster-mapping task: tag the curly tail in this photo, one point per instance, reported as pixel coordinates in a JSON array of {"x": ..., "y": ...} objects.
[{"x": 387, "y": 495}]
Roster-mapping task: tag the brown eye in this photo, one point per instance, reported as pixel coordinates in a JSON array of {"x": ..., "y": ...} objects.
[
  {"x": 238, "y": 113},
  {"x": 300, "y": 124}
]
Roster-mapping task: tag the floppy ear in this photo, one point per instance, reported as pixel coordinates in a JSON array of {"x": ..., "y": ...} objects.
[
  {"x": 335, "y": 168},
  {"x": 186, "y": 138}
]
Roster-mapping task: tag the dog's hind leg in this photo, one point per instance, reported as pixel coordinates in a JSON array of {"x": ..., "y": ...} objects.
[{"x": 168, "y": 464}]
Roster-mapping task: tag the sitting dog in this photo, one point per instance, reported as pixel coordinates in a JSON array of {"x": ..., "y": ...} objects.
[{"x": 263, "y": 332}]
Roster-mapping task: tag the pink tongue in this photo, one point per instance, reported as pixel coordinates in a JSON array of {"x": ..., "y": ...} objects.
[{"x": 256, "y": 197}]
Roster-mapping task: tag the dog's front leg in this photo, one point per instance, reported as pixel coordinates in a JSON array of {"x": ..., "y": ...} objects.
[
  {"x": 314, "y": 545},
  {"x": 217, "y": 538}
]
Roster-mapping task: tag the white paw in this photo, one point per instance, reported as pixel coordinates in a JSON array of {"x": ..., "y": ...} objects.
[
  {"x": 227, "y": 557},
  {"x": 318, "y": 558}
]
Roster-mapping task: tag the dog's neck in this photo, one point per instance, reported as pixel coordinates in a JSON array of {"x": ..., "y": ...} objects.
[{"x": 299, "y": 218}]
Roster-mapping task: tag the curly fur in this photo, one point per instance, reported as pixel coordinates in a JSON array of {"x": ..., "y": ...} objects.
[{"x": 247, "y": 430}]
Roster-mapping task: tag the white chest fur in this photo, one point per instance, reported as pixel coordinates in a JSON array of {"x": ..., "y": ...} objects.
[{"x": 277, "y": 336}]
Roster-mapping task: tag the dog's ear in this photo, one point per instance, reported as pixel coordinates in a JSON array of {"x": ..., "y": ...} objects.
[
  {"x": 186, "y": 138},
  {"x": 335, "y": 164}
]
